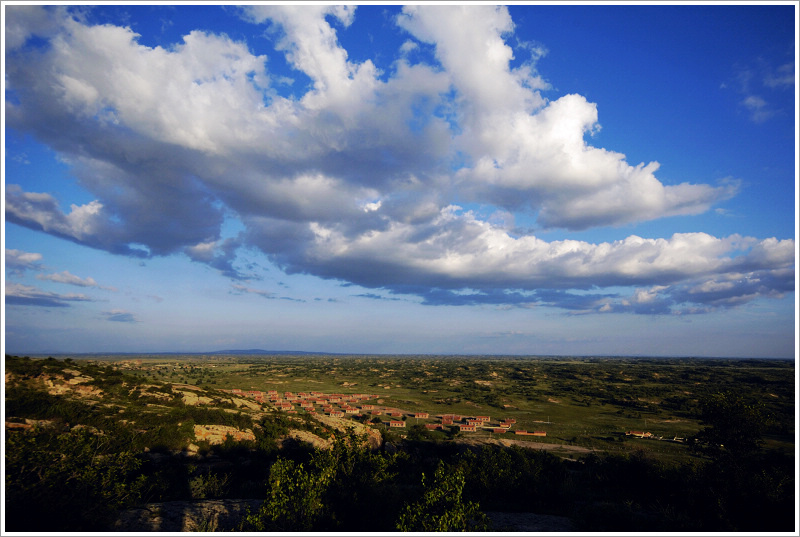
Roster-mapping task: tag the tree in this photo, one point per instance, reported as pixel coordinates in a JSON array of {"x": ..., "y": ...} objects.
[
  {"x": 734, "y": 427},
  {"x": 68, "y": 482},
  {"x": 418, "y": 432},
  {"x": 441, "y": 507},
  {"x": 743, "y": 488},
  {"x": 295, "y": 498}
]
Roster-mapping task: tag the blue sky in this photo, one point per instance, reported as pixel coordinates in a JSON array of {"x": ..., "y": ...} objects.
[{"x": 531, "y": 179}]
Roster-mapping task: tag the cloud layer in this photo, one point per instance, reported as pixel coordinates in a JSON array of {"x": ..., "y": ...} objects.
[
  {"x": 27, "y": 295},
  {"x": 363, "y": 176},
  {"x": 18, "y": 262}
]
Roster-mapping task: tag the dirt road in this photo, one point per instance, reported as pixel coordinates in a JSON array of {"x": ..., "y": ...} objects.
[{"x": 525, "y": 444}]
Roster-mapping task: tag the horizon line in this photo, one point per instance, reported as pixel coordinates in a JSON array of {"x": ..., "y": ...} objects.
[{"x": 265, "y": 352}]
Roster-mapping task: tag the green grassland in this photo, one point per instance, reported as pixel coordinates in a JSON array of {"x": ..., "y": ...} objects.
[{"x": 590, "y": 402}]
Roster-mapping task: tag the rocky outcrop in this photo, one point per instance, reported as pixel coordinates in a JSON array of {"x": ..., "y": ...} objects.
[
  {"x": 29, "y": 424},
  {"x": 226, "y": 515},
  {"x": 189, "y": 397},
  {"x": 528, "y": 522},
  {"x": 216, "y": 434},
  {"x": 151, "y": 390},
  {"x": 309, "y": 438},
  {"x": 58, "y": 385},
  {"x": 239, "y": 402},
  {"x": 373, "y": 437},
  {"x": 197, "y": 516}
]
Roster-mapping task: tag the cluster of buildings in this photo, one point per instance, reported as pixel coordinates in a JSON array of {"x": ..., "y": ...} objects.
[
  {"x": 343, "y": 405},
  {"x": 334, "y": 404},
  {"x": 644, "y": 434},
  {"x": 471, "y": 424}
]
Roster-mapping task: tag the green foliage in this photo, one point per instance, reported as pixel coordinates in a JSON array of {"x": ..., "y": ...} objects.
[
  {"x": 295, "y": 499},
  {"x": 25, "y": 402},
  {"x": 362, "y": 478},
  {"x": 513, "y": 478},
  {"x": 25, "y": 367},
  {"x": 272, "y": 427},
  {"x": 741, "y": 479},
  {"x": 735, "y": 426},
  {"x": 321, "y": 494},
  {"x": 418, "y": 432},
  {"x": 211, "y": 485},
  {"x": 212, "y": 416},
  {"x": 442, "y": 507},
  {"x": 755, "y": 492},
  {"x": 67, "y": 482}
]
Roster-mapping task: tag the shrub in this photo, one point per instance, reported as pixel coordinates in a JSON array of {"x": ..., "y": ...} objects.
[
  {"x": 441, "y": 507},
  {"x": 67, "y": 482}
]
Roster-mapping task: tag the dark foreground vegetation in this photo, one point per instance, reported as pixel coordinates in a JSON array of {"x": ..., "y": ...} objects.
[{"x": 77, "y": 461}]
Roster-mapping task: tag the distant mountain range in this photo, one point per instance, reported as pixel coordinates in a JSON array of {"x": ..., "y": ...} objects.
[
  {"x": 266, "y": 352},
  {"x": 261, "y": 351},
  {"x": 238, "y": 352}
]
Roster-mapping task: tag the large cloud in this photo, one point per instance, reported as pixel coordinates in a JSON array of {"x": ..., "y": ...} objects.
[
  {"x": 356, "y": 178},
  {"x": 529, "y": 153},
  {"x": 454, "y": 251}
]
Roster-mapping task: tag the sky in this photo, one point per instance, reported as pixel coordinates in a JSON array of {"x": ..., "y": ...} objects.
[{"x": 534, "y": 179}]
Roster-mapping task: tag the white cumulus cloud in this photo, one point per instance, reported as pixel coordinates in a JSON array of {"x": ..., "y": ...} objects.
[{"x": 359, "y": 177}]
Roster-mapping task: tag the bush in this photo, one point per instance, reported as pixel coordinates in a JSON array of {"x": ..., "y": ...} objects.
[
  {"x": 441, "y": 507},
  {"x": 67, "y": 482}
]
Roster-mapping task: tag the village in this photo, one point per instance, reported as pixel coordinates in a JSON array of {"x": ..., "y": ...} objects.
[
  {"x": 356, "y": 405},
  {"x": 339, "y": 405}
]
